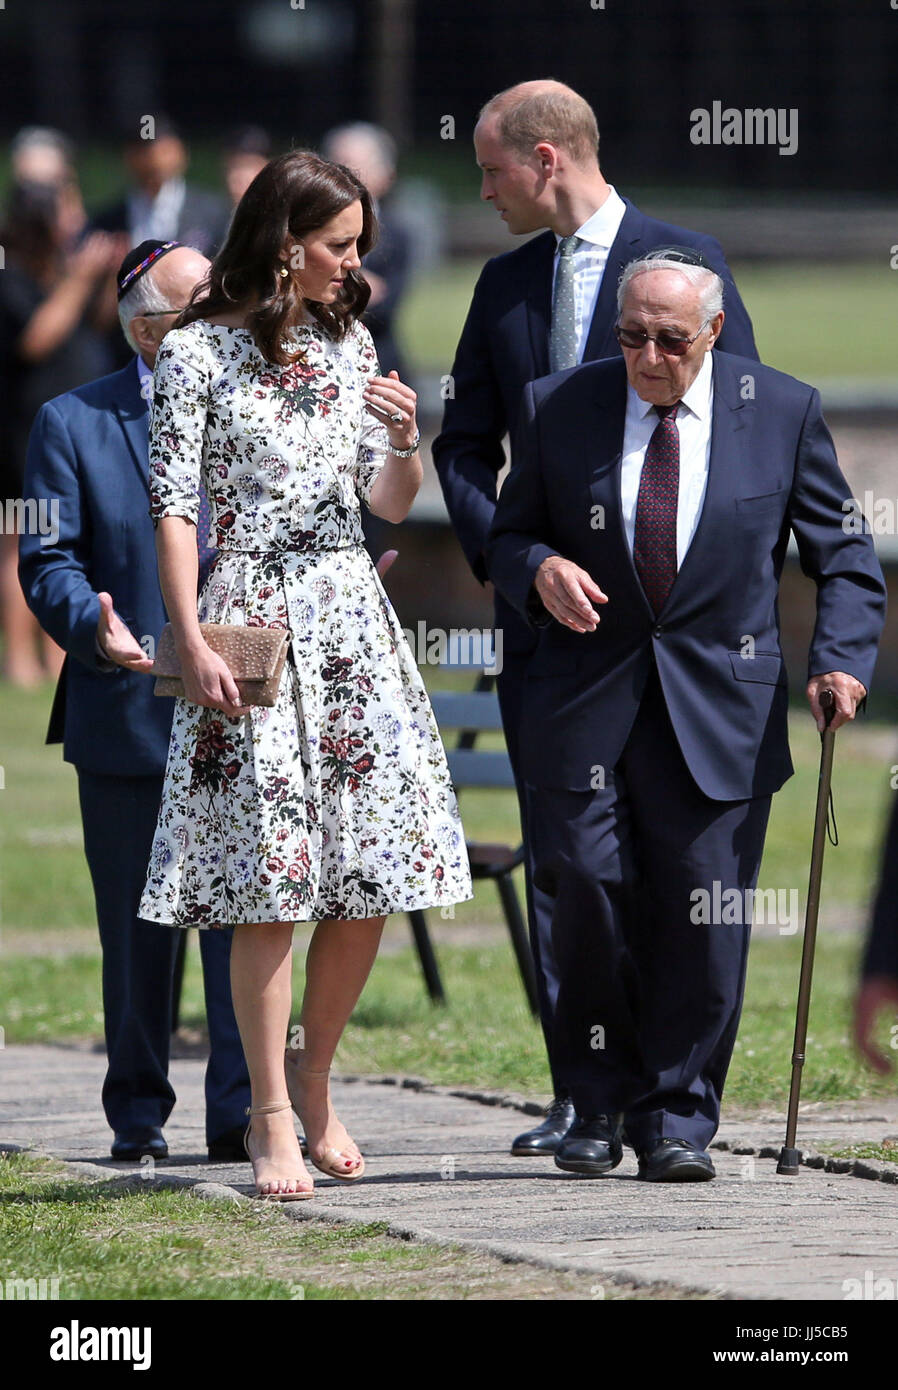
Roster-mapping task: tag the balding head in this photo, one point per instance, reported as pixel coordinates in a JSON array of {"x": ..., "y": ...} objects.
[
  {"x": 537, "y": 144},
  {"x": 176, "y": 274},
  {"x": 150, "y": 307},
  {"x": 523, "y": 116}
]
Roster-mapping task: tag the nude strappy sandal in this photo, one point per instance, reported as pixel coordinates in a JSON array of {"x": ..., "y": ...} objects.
[
  {"x": 298, "y": 1196},
  {"x": 331, "y": 1158}
]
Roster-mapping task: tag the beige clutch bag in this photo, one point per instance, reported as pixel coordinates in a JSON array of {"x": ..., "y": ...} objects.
[{"x": 254, "y": 656}]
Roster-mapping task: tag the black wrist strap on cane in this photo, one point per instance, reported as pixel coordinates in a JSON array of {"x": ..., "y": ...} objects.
[{"x": 832, "y": 830}]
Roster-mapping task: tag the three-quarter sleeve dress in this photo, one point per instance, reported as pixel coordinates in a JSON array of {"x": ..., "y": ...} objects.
[{"x": 336, "y": 801}]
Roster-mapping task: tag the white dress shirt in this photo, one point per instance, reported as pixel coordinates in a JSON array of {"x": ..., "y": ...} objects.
[
  {"x": 145, "y": 374},
  {"x": 694, "y": 428},
  {"x": 156, "y": 218},
  {"x": 590, "y": 258}
]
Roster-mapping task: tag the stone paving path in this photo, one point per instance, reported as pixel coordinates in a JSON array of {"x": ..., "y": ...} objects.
[{"x": 438, "y": 1169}]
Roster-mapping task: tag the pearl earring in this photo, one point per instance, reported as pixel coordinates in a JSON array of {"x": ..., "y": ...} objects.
[{"x": 283, "y": 272}]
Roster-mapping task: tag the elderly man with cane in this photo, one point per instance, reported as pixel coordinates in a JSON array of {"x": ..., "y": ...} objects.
[{"x": 643, "y": 530}]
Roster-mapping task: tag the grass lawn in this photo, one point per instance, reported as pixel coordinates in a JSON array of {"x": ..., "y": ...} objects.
[
  {"x": 886, "y": 1152},
  {"x": 50, "y": 978}
]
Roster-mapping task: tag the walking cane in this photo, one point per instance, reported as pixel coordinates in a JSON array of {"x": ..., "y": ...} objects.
[{"x": 790, "y": 1157}]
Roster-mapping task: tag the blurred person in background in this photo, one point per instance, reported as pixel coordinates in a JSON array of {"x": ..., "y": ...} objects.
[
  {"x": 877, "y": 994},
  {"x": 371, "y": 154},
  {"x": 89, "y": 448},
  {"x": 50, "y": 342},
  {"x": 160, "y": 204},
  {"x": 247, "y": 150},
  {"x": 39, "y": 154}
]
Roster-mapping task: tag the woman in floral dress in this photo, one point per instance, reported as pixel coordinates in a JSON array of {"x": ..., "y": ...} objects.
[{"x": 335, "y": 805}]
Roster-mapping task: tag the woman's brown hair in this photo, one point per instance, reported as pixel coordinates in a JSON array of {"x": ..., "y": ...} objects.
[{"x": 295, "y": 194}]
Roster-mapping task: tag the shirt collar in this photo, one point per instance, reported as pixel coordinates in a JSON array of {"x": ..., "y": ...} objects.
[
  {"x": 697, "y": 398},
  {"x": 143, "y": 371},
  {"x": 171, "y": 191},
  {"x": 603, "y": 226}
]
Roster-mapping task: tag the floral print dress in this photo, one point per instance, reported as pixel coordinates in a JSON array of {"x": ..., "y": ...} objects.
[{"x": 337, "y": 801}]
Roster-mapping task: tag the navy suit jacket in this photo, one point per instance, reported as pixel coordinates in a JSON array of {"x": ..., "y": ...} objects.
[
  {"x": 505, "y": 344},
  {"x": 88, "y": 448},
  {"x": 772, "y": 470}
]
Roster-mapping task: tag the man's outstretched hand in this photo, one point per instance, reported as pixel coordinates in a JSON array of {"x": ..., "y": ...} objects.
[
  {"x": 568, "y": 593},
  {"x": 117, "y": 640}
]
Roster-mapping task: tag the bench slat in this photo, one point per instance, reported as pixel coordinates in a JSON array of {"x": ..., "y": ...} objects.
[
  {"x": 474, "y": 709},
  {"x": 470, "y": 768}
]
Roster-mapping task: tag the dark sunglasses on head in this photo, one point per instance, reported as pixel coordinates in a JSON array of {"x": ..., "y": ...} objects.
[{"x": 671, "y": 344}]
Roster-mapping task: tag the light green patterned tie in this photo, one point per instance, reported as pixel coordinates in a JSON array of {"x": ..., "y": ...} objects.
[{"x": 563, "y": 334}]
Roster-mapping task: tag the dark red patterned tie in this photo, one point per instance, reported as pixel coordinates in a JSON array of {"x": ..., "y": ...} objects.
[{"x": 655, "y": 535}]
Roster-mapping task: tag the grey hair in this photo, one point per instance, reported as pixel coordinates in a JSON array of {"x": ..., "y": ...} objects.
[
  {"x": 38, "y": 137},
  {"x": 143, "y": 297},
  {"x": 708, "y": 281},
  {"x": 378, "y": 139}
]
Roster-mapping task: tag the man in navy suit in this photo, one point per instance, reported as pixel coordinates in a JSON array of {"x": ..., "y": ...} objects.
[
  {"x": 548, "y": 304},
  {"x": 642, "y": 533},
  {"x": 88, "y": 449}
]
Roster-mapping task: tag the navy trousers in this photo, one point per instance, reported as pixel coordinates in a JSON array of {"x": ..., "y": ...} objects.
[
  {"x": 509, "y": 688},
  {"x": 649, "y": 995},
  {"x": 119, "y": 819}
]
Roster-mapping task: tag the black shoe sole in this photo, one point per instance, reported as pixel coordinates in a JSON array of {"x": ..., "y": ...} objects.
[
  {"x": 587, "y": 1167},
  {"x": 521, "y": 1152},
  {"x": 681, "y": 1172}
]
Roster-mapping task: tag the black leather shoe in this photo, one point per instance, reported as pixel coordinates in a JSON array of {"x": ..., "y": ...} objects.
[
  {"x": 229, "y": 1147},
  {"x": 592, "y": 1145},
  {"x": 132, "y": 1145},
  {"x": 547, "y": 1136},
  {"x": 675, "y": 1160}
]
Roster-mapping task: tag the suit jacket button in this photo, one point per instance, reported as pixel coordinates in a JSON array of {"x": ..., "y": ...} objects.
[{"x": 658, "y": 631}]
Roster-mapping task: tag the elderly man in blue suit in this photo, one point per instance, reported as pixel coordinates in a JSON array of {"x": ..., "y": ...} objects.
[
  {"x": 545, "y": 306},
  {"x": 642, "y": 533},
  {"x": 88, "y": 448}
]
